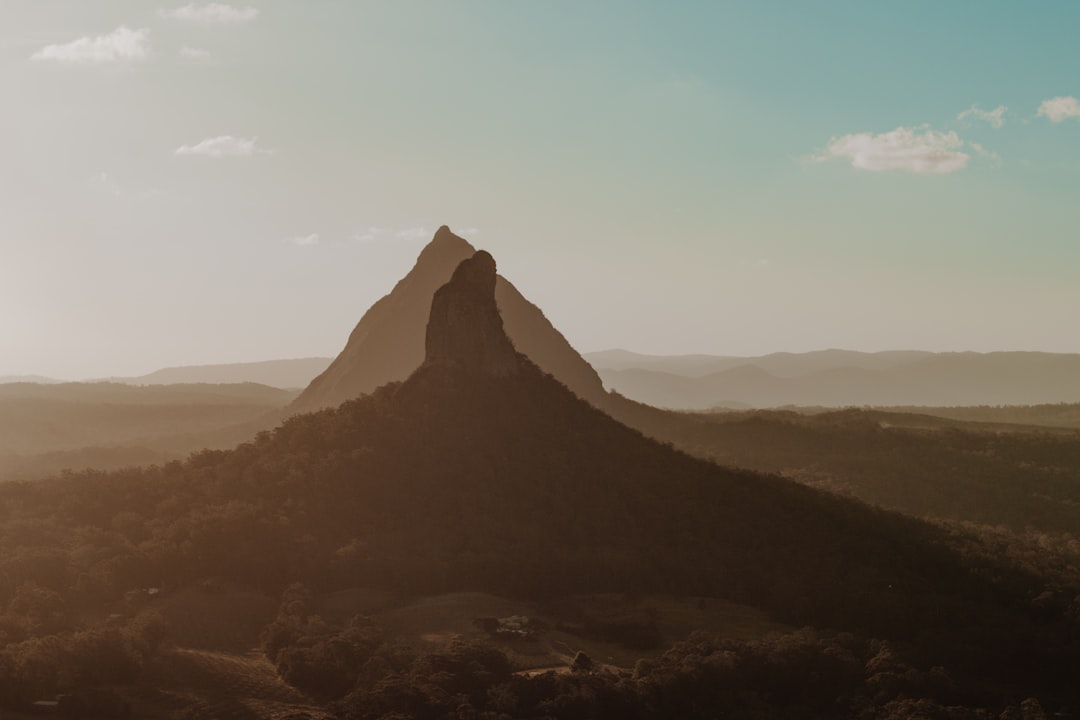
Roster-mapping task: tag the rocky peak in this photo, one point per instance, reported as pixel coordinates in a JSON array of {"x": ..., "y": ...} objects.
[
  {"x": 445, "y": 244},
  {"x": 464, "y": 327}
]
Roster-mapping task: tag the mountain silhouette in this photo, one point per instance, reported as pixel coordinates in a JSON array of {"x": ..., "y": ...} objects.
[{"x": 388, "y": 342}]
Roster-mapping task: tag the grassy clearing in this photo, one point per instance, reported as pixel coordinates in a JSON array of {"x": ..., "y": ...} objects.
[
  {"x": 215, "y": 670},
  {"x": 202, "y": 684},
  {"x": 434, "y": 620}
]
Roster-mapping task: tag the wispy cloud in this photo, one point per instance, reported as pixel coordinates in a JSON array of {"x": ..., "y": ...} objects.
[
  {"x": 121, "y": 45},
  {"x": 984, "y": 152},
  {"x": 305, "y": 240},
  {"x": 211, "y": 13},
  {"x": 376, "y": 234},
  {"x": 414, "y": 233},
  {"x": 906, "y": 149},
  {"x": 195, "y": 53},
  {"x": 224, "y": 146},
  {"x": 370, "y": 235},
  {"x": 1060, "y": 108},
  {"x": 994, "y": 118},
  {"x": 105, "y": 183}
]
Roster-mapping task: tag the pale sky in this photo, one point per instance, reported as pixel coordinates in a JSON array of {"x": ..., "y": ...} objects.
[{"x": 201, "y": 183}]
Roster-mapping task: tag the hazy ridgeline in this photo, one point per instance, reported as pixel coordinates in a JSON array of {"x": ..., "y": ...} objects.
[
  {"x": 45, "y": 428},
  {"x": 838, "y": 378},
  {"x": 447, "y": 543}
]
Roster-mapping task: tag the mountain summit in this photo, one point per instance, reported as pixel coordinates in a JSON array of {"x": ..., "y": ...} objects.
[
  {"x": 465, "y": 326},
  {"x": 389, "y": 341}
]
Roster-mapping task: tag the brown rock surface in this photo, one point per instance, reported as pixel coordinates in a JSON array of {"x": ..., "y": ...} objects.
[{"x": 465, "y": 327}]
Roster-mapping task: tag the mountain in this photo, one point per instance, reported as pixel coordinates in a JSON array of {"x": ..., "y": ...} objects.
[
  {"x": 835, "y": 378},
  {"x": 388, "y": 342},
  {"x": 285, "y": 374},
  {"x": 480, "y": 472}
]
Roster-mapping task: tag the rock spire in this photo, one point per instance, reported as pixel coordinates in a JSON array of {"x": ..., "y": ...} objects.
[{"x": 465, "y": 327}]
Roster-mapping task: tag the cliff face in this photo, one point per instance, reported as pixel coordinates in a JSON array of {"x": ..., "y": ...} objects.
[
  {"x": 465, "y": 327},
  {"x": 388, "y": 342}
]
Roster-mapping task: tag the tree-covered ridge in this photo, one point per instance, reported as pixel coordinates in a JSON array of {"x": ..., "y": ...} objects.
[
  {"x": 917, "y": 465},
  {"x": 454, "y": 480}
]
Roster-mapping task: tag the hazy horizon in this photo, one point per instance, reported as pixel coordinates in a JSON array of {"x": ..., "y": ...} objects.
[
  {"x": 188, "y": 184},
  {"x": 586, "y": 355}
]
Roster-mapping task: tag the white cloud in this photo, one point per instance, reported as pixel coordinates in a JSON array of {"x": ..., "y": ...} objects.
[
  {"x": 995, "y": 118},
  {"x": 306, "y": 240},
  {"x": 195, "y": 53},
  {"x": 224, "y": 146},
  {"x": 915, "y": 150},
  {"x": 1060, "y": 108},
  {"x": 211, "y": 13},
  {"x": 122, "y": 44},
  {"x": 376, "y": 234}
]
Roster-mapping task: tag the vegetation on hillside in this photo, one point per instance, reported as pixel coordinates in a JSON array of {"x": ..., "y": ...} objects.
[{"x": 515, "y": 486}]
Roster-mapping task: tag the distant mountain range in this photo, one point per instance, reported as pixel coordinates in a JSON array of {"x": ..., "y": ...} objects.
[
  {"x": 36, "y": 379},
  {"x": 291, "y": 374},
  {"x": 388, "y": 344},
  {"x": 838, "y": 378},
  {"x": 285, "y": 374}
]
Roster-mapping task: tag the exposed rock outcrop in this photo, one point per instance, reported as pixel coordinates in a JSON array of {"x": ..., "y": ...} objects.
[{"x": 465, "y": 327}]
